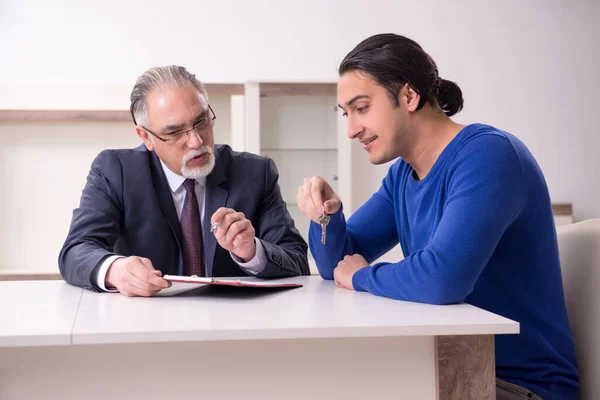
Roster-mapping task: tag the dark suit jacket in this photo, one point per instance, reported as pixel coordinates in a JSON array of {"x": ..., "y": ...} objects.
[{"x": 127, "y": 208}]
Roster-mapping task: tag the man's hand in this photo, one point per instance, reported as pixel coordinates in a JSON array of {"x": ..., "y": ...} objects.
[
  {"x": 314, "y": 195},
  {"x": 135, "y": 276},
  {"x": 346, "y": 268},
  {"x": 234, "y": 233}
]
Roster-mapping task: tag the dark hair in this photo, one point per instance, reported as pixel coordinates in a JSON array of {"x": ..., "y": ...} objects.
[{"x": 393, "y": 61}]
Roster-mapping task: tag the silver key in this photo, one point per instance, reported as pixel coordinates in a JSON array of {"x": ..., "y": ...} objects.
[{"x": 323, "y": 221}]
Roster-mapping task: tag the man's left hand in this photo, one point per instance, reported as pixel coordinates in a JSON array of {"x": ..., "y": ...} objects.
[
  {"x": 235, "y": 233},
  {"x": 346, "y": 268}
]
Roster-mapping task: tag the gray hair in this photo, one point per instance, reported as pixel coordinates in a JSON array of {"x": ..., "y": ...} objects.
[{"x": 167, "y": 76}]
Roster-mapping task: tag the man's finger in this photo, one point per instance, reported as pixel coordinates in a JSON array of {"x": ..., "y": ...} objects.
[
  {"x": 219, "y": 214},
  {"x": 304, "y": 194},
  {"x": 130, "y": 291},
  {"x": 316, "y": 194},
  {"x": 133, "y": 290},
  {"x": 237, "y": 228},
  {"x": 146, "y": 273},
  {"x": 305, "y": 201},
  {"x": 335, "y": 276},
  {"x": 145, "y": 262},
  {"x": 226, "y": 223},
  {"x": 332, "y": 206},
  {"x": 146, "y": 288}
]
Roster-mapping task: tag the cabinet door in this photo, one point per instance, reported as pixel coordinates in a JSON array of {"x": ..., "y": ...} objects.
[{"x": 300, "y": 134}]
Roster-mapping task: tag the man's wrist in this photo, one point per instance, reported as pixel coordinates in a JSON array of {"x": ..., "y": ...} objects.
[
  {"x": 109, "y": 280},
  {"x": 257, "y": 263},
  {"x": 251, "y": 256},
  {"x": 101, "y": 273}
]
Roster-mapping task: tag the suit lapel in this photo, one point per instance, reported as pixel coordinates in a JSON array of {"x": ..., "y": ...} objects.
[
  {"x": 165, "y": 200},
  {"x": 215, "y": 197}
]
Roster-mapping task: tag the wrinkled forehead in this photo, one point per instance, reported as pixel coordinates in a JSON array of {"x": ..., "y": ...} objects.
[{"x": 175, "y": 105}]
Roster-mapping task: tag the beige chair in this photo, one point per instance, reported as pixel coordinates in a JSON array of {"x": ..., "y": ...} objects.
[{"x": 579, "y": 246}]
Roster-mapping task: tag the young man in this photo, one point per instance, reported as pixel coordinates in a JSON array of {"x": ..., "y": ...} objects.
[
  {"x": 468, "y": 204},
  {"x": 150, "y": 211}
]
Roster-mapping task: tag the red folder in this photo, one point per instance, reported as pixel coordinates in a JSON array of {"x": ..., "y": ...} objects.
[{"x": 229, "y": 282}]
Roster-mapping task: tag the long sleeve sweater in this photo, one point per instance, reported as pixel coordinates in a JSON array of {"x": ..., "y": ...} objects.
[{"x": 478, "y": 228}]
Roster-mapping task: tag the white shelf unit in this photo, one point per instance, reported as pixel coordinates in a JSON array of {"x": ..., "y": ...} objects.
[{"x": 296, "y": 125}]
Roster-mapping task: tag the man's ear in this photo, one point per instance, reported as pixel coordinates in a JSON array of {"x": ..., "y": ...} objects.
[
  {"x": 408, "y": 97},
  {"x": 145, "y": 136},
  {"x": 412, "y": 98}
]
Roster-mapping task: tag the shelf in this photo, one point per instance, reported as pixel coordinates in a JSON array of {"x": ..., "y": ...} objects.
[
  {"x": 64, "y": 116},
  {"x": 121, "y": 115},
  {"x": 562, "y": 208},
  {"x": 297, "y": 89},
  {"x": 100, "y": 115},
  {"x": 18, "y": 275},
  {"x": 223, "y": 89}
]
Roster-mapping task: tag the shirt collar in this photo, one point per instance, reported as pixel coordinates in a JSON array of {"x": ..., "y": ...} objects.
[{"x": 176, "y": 180}]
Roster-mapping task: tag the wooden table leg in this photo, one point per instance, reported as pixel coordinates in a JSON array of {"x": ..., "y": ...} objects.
[{"x": 466, "y": 367}]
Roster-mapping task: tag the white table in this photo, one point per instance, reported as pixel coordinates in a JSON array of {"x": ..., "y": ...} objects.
[
  {"x": 318, "y": 341},
  {"x": 37, "y": 313}
]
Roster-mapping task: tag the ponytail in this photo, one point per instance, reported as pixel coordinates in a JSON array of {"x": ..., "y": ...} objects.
[{"x": 449, "y": 97}]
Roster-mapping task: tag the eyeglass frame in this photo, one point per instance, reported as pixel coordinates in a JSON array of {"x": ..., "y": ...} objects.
[{"x": 164, "y": 140}]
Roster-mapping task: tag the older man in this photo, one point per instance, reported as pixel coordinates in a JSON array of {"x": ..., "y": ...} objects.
[{"x": 163, "y": 207}]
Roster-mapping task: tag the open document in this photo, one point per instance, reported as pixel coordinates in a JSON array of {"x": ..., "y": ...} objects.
[{"x": 181, "y": 284}]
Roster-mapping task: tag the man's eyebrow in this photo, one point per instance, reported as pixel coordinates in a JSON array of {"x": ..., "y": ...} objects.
[
  {"x": 173, "y": 128},
  {"x": 357, "y": 97},
  {"x": 178, "y": 127},
  {"x": 201, "y": 115}
]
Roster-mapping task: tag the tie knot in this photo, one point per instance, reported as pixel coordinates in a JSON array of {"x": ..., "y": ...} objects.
[{"x": 188, "y": 184}]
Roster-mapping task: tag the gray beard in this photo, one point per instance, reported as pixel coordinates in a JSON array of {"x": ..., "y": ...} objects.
[{"x": 202, "y": 170}]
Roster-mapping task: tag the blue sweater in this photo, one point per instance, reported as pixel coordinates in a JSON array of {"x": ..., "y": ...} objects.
[{"x": 477, "y": 229}]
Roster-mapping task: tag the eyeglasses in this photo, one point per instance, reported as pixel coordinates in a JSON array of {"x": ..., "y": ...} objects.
[{"x": 200, "y": 126}]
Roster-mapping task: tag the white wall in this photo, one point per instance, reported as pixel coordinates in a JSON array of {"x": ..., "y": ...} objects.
[
  {"x": 43, "y": 167},
  {"x": 527, "y": 67}
]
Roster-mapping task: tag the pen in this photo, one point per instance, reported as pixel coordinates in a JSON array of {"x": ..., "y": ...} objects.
[{"x": 214, "y": 226}]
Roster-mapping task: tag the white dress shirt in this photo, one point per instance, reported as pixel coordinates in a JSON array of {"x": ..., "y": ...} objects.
[{"x": 253, "y": 266}]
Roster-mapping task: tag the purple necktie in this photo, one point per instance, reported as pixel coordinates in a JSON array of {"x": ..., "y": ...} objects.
[{"x": 191, "y": 229}]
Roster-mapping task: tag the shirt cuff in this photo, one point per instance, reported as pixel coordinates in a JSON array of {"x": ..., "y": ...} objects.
[
  {"x": 101, "y": 272},
  {"x": 257, "y": 264}
]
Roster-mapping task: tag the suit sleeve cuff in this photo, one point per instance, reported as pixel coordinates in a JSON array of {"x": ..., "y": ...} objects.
[
  {"x": 257, "y": 264},
  {"x": 100, "y": 274}
]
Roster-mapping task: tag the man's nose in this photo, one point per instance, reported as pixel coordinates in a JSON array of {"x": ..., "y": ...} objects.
[{"x": 194, "y": 140}]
